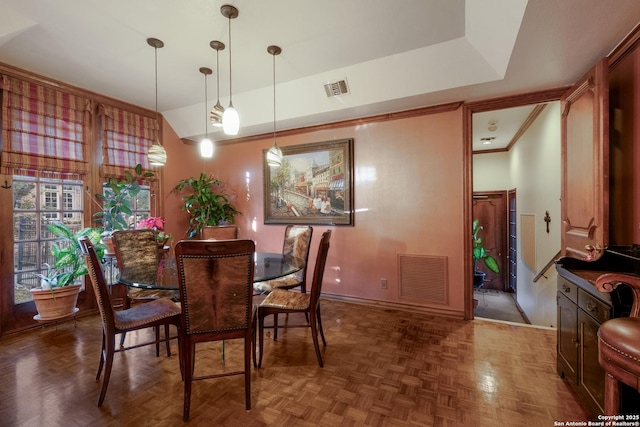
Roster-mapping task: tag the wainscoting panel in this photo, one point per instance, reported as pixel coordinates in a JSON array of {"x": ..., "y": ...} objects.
[{"x": 423, "y": 278}]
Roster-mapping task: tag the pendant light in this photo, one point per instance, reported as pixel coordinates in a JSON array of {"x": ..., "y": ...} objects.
[
  {"x": 274, "y": 155},
  {"x": 206, "y": 146},
  {"x": 157, "y": 155},
  {"x": 218, "y": 110},
  {"x": 230, "y": 118}
]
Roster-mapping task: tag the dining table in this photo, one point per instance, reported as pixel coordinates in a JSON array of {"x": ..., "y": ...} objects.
[{"x": 268, "y": 266}]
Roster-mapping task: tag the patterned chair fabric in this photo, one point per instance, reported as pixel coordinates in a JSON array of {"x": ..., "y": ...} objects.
[
  {"x": 297, "y": 241},
  {"x": 153, "y": 314},
  {"x": 216, "y": 296},
  {"x": 286, "y": 301}
]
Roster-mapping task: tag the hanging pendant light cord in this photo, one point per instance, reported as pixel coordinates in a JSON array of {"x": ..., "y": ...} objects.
[
  {"x": 206, "y": 110},
  {"x": 274, "y": 98},
  {"x": 230, "y": 75},
  {"x": 217, "y": 77},
  {"x": 155, "y": 49}
]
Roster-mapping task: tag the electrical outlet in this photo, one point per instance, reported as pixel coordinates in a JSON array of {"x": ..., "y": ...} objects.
[{"x": 383, "y": 283}]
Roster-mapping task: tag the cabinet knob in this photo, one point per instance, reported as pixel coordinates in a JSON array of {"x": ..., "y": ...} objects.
[
  {"x": 591, "y": 306},
  {"x": 565, "y": 288}
]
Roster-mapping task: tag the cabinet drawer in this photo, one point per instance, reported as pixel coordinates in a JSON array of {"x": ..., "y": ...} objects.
[
  {"x": 568, "y": 289},
  {"x": 594, "y": 307}
]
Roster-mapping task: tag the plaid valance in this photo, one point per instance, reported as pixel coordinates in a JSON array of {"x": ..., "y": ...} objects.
[
  {"x": 44, "y": 130},
  {"x": 125, "y": 139}
]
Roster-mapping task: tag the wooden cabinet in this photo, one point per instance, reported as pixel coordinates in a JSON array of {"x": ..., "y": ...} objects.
[{"x": 580, "y": 314}]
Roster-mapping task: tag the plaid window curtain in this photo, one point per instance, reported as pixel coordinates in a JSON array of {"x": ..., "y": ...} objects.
[
  {"x": 125, "y": 138},
  {"x": 44, "y": 130}
]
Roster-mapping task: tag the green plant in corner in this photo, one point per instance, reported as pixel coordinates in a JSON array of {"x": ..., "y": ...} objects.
[
  {"x": 205, "y": 202},
  {"x": 479, "y": 252}
]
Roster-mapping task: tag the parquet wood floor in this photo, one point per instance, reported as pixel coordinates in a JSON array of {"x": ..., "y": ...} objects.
[{"x": 382, "y": 368}]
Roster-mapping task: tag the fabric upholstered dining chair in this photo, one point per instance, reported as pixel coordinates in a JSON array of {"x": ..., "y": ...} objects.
[
  {"x": 287, "y": 301},
  {"x": 138, "y": 257},
  {"x": 153, "y": 314},
  {"x": 297, "y": 242},
  {"x": 219, "y": 232},
  {"x": 216, "y": 295}
]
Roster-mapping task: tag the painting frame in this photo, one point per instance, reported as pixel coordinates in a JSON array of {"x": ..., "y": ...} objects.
[{"x": 314, "y": 185}]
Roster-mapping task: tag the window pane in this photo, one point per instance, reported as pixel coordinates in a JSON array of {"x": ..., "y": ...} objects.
[{"x": 38, "y": 202}]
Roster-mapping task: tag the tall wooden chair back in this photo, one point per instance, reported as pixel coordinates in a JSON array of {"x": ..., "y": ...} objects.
[
  {"x": 287, "y": 301},
  {"x": 216, "y": 294},
  {"x": 153, "y": 314}
]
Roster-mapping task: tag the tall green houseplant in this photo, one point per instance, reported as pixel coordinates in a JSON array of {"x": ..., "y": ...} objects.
[
  {"x": 205, "y": 202},
  {"x": 117, "y": 200},
  {"x": 480, "y": 253}
]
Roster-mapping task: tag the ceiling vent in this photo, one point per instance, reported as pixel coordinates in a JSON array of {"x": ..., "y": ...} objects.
[{"x": 336, "y": 88}]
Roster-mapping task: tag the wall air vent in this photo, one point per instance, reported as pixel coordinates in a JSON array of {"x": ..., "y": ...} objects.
[{"x": 336, "y": 88}]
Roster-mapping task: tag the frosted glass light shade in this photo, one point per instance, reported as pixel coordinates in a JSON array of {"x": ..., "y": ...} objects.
[
  {"x": 274, "y": 156},
  {"x": 157, "y": 155},
  {"x": 206, "y": 148},
  {"x": 231, "y": 121}
]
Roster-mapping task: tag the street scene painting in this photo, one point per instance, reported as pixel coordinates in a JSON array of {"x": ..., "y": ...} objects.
[{"x": 314, "y": 185}]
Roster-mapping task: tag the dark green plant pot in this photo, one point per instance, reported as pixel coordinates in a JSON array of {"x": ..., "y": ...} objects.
[{"x": 478, "y": 279}]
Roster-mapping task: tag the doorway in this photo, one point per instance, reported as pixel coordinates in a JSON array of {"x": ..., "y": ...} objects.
[{"x": 539, "y": 188}]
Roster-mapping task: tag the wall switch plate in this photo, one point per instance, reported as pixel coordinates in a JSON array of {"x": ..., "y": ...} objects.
[{"x": 383, "y": 283}]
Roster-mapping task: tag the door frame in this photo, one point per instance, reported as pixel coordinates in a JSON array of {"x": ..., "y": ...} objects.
[{"x": 468, "y": 109}]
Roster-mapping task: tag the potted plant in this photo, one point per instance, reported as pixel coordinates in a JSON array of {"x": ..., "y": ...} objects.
[
  {"x": 117, "y": 202},
  {"x": 480, "y": 253},
  {"x": 58, "y": 293},
  {"x": 205, "y": 202}
]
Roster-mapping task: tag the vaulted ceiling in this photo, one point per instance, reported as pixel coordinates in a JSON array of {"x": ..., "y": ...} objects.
[{"x": 393, "y": 55}]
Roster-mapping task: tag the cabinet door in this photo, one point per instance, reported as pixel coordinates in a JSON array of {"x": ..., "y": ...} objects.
[
  {"x": 585, "y": 164},
  {"x": 591, "y": 376},
  {"x": 568, "y": 336}
]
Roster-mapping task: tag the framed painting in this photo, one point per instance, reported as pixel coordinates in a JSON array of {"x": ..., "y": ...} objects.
[{"x": 314, "y": 185}]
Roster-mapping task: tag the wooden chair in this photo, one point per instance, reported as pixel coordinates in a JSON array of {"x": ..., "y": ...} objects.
[
  {"x": 153, "y": 314},
  {"x": 297, "y": 242},
  {"x": 618, "y": 343},
  {"x": 219, "y": 232},
  {"x": 138, "y": 257},
  {"x": 216, "y": 295},
  {"x": 286, "y": 301}
]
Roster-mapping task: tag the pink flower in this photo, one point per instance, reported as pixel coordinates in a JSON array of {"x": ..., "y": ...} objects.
[{"x": 152, "y": 222}]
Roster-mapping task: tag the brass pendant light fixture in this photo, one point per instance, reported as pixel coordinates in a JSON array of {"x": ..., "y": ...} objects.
[
  {"x": 157, "y": 155},
  {"x": 206, "y": 146},
  {"x": 274, "y": 155},
  {"x": 230, "y": 118},
  {"x": 218, "y": 110}
]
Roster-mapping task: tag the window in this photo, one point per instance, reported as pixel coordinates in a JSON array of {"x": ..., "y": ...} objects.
[
  {"x": 140, "y": 206},
  {"x": 35, "y": 204}
]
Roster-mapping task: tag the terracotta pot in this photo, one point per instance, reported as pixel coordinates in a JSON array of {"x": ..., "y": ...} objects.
[
  {"x": 107, "y": 240},
  {"x": 56, "y": 303}
]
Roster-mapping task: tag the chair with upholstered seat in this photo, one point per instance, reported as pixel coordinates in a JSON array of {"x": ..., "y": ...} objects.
[
  {"x": 297, "y": 241},
  {"x": 153, "y": 314},
  {"x": 287, "y": 301},
  {"x": 216, "y": 295},
  {"x": 619, "y": 343},
  {"x": 219, "y": 232},
  {"x": 138, "y": 258}
]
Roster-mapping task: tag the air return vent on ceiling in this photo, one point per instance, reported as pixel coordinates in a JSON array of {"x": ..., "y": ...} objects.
[{"x": 336, "y": 88}]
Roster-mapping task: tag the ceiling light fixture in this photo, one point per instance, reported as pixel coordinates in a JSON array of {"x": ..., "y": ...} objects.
[
  {"x": 487, "y": 140},
  {"x": 274, "y": 155},
  {"x": 157, "y": 155},
  {"x": 230, "y": 118},
  {"x": 218, "y": 110},
  {"x": 206, "y": 146}
]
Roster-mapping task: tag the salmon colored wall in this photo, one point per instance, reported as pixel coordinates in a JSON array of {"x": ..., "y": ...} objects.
[{"x": 408, "y": 200}]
